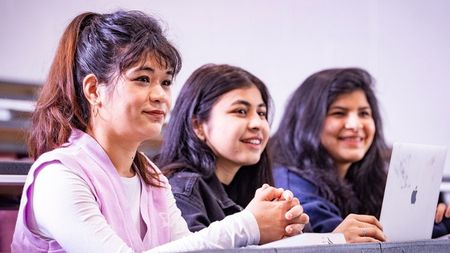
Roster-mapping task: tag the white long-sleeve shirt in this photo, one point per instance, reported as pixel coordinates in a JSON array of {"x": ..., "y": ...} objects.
[{"x": 65, "y": 209}]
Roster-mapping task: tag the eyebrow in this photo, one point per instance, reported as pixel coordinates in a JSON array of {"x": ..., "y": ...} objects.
[
  {"x": 345, "y": 108},
  {"x": 246, "y": 103},
  {"x": 150, "y": 69}
]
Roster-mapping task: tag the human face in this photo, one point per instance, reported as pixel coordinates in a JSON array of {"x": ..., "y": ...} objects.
[
  {"x": 237, "y": 129},
  {"x": 139, "y": 103},
  {"x": 348, "y": 129}
]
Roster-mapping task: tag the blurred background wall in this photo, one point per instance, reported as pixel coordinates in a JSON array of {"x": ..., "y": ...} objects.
[{"x": 404, "y": 44}]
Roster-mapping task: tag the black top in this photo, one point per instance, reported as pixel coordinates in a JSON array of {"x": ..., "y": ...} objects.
[{"x": 201, "y": 200}]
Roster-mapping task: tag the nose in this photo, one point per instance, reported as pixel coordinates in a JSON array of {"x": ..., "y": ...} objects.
[
  {"x": 255, "y": 121},
  {"x": 353, "y": 122},
  {"x": 158, "y": 94}
]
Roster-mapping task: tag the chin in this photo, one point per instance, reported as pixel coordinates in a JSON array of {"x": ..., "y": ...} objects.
[
  {"x": 151, "y": 134},
  {"x": 250, "y": 162},
  {"x": 354, "y": 158}
]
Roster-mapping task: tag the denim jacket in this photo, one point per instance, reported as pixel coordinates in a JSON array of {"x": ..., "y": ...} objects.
[{"x": 201, "y": 200}]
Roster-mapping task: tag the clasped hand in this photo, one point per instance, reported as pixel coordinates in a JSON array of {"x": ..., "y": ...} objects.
[{"x": 277, "y": 213}]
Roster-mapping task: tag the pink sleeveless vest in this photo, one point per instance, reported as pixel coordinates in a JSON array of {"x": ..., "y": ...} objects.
[{"x": 86, "y": 157}]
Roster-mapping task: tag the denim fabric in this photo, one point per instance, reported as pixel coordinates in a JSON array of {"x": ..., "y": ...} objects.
[
  {"x": 201, "y": 200},
  {"x": 324, "y": 216}
]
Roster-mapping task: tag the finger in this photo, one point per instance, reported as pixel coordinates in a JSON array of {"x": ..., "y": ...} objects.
[
  {"x": 293, "y": 202},
  {"x": 279, "y": 191},
  {"x": 364, "y": 234},
  {"x": 301, "y": 219},
  {"x": 294, "y": 212},
  {"x": 304, "y": 218},
  {"x": 287, "y": 195},
  {"x": 440, "y": 210},
  {"x": 260, "y": 189},
  {"x": 373, "y": 232},
  {"x": 369, "y": 219},
  {"x": 268, "y": 194},
  {"x": 294, "y": 229},
  {"x": 447, "y": 212}
]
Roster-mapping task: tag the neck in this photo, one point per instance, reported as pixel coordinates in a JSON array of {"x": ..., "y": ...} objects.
[
  {"x": 342, "y": 169},
  {"x": 121, "y": 156},
  {"x": 226, "y": 172}
]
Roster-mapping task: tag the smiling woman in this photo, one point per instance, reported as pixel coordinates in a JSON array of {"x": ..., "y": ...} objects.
[
  {"x": 148, "y": 81},
  {"x": 330, "y": 151},
  {"x": 86, "y": 128},
  {"x": 348, "y": 130},
  {"x": 237, "y": 131},
  {"x": 214, "y": 148}
]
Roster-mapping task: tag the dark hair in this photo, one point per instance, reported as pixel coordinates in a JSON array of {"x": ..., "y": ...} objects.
[
  {"x": 296, "y": 144},
  {"x": 183, "y": 149},
  {"x": 105, "y": 45}
]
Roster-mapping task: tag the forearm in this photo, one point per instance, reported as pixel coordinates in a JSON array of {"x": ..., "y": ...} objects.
[{"x": 234, "y": 231}]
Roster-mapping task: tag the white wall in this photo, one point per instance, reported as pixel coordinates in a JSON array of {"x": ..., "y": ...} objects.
[{"x": 405, "y": 44}]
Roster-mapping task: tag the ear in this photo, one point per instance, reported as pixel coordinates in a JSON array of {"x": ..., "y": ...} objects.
[
  {"x": 198, "y": 129},
  {"x": 91, "y": 89}
]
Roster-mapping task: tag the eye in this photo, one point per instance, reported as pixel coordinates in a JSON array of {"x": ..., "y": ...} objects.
[
  {"x": 143, "y": 79},
  {"x": 241, "y": 112},
  {"x": 365, "y": 114},
  {"x": 167, "y": 83},
  {"x": 262, "y": 114},
  {"x": 337, "y": 113}
]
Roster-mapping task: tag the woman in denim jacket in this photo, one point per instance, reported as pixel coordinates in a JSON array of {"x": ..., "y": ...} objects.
[
  {"x": 330, "y": 151},
  {"x": 214, "y": 145}
]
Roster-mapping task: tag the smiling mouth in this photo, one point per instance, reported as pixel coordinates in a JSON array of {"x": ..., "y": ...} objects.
[
  {"x": 155, "y": 115},
  {"x": 254, "y": 141},
  {"x": 351, "y": 138}
]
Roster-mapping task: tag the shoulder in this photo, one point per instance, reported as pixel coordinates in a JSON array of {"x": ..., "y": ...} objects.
[
  {"x": 185, "y": 182},
  {"x": 54, "y": 164}
]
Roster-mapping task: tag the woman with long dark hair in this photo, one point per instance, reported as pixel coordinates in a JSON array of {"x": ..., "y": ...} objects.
[
  {"x": 330, "y": 151},
  {"x": 214, "y": 148}
]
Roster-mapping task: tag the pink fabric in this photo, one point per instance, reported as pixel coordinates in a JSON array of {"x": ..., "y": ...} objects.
[
  {"x": 7, "y": 222},
  {"x": 85, "y": 156}
]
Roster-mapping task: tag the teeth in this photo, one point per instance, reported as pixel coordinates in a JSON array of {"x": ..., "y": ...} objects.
[
  {"x": 352, "y": 138},
  {"x": 254, "y": 141}
]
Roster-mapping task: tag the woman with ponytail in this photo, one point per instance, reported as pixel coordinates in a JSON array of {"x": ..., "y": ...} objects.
[{"x": 90, "y": 190}]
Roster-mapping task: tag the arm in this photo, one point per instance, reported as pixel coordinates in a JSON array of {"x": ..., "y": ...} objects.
[
  {"x": 324, "y": 216},
  {"x": 64, "y": 209},
  {"x": 262, "y": 216},
  {"x": 200, "y": 205},
  {"x": 237, "y": 230},
  {"x": 193, "y": 211},
  {"x": 196, "y": 200},
  {"x": 178, "y": 225},
  {"x": 62, "y": 200}
]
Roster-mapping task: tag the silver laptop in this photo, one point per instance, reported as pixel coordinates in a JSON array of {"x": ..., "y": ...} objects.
[{"x": 412, "y": 191}]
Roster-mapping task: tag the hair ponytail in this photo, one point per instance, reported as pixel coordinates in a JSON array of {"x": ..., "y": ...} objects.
[
  {"x": 105, "y": 45},
  {"x": 57, "y": 106}
]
